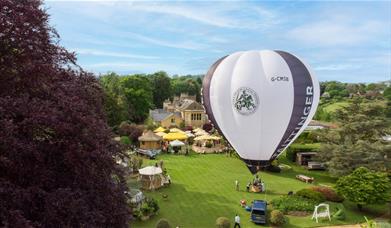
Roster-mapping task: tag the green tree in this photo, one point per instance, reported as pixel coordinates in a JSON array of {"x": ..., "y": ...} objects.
[
  {"x": 358, "y": 141},
  {"x": 387, "y": 96},
  {"x": 162, "y": 88},
  {"x": 336, "y": 89},
  {"x": 138, "y": 94},
  {"x": 116, "y": 106},
  {"x": 365, "y": 187},
  {"x": 186, "y": 84}
]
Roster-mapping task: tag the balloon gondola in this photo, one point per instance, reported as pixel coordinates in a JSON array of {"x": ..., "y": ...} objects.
[{"x": 260, "y": 101}]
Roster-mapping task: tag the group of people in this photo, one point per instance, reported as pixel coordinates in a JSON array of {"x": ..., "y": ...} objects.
[{"x": 257, "y": 183}]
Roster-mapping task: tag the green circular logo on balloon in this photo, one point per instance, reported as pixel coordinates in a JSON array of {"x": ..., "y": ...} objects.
[{"x": 245, "y": 101}]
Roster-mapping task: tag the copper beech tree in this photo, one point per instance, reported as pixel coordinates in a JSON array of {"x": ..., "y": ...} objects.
[{"x": 56, "y": 153}]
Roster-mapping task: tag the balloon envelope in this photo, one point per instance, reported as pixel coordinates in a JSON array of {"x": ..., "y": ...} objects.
[{"x": 260, "y": 101}]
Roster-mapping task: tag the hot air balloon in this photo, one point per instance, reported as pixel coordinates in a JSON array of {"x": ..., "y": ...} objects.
[{"x": 260, "y": 101}]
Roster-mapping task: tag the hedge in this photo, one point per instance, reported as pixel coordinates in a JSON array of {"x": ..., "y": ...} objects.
[{"x": 293, "y": 149}]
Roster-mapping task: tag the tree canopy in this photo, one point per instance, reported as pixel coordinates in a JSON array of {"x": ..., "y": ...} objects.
[
  {"x": 130, "y": 97},
  {"x": 56, "y": 152},
  {"x": 365, "y": 187},
  {"x": 359, "y": 139}
]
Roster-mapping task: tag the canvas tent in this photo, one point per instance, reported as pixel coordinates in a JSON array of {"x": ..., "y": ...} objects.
[{"x": 151, "y": 177}]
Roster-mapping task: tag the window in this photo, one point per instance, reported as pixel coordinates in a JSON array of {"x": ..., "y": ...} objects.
[{"x": 172, "y": 120}]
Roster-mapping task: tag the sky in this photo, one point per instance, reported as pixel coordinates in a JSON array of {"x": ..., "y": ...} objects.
[{"x": 344, "y": 41}]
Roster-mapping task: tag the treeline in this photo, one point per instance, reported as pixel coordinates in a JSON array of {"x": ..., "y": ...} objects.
[
  {"x": 339, "y": 90},
  {"x": 340, "y": 94},
  {"x": 130, "y": 97}
]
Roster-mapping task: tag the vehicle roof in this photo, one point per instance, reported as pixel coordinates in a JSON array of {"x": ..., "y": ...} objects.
[{"x": 259, "y": 205}]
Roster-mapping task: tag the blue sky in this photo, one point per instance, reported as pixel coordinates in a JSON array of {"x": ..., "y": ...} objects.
[{"x": 344, "y": 41}]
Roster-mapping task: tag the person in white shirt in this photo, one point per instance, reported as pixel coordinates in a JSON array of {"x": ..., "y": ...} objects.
[
  {"x": 237, "y": 221},
  {"x": 237, "y": 185}
]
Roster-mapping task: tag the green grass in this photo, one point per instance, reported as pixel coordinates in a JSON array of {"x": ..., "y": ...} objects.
[
  {"x": 203, "y": 190},
  {"x": 334, "y": 106}
]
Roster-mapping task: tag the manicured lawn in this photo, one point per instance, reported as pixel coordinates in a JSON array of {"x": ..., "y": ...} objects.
[
  {"x": 203, "y": 190},
  {"x": 334, "y": 106}
]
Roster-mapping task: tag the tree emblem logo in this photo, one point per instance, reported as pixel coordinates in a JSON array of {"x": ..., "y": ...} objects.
[{"x": 245, "y": 101}]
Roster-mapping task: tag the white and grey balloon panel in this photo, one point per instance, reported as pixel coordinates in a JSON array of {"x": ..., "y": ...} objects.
[{"x": 260, "y": 101}]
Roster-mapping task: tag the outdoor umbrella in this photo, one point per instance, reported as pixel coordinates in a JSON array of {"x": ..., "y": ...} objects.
[
  {"x": 175, "y": 135},
  {"x": 176, "y": 143},
  {"x": 176, "y": 130},
  {"x": 160, "y": 133},
  {"x": 160, "y": 129}
]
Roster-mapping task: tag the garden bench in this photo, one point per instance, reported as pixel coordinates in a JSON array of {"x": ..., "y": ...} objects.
[{"x": 305, "y": 178}]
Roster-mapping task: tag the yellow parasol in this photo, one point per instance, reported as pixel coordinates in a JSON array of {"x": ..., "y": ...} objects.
[
  {"x": 160, "y": 129},
  {"x": 203, "y": 137},
  {"x": 206, "y": 137},
  {"x": 160, "y": 133},
  {"x": 197, "y": 129},
  {"x": 176, "y": 130},
  {"x": 175, "y": 135},
  {"x": 201, "y": 132}
]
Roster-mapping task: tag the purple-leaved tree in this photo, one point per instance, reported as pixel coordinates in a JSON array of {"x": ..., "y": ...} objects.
[{"x": 56, "y": 153}]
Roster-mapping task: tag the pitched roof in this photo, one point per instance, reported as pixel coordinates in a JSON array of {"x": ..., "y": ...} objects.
[
  {"x": 159, "y": 114},
  {"x": 149, "y": 136},
  {"x": 191, "y": 105}
]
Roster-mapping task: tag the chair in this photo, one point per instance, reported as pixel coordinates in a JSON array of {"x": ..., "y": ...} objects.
[{"x": 325, "y": 213}]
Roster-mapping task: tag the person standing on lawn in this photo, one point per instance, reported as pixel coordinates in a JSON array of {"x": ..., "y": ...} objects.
[
  {"x": 237, "y": 185},
  {"x": 237, "y": 221}
]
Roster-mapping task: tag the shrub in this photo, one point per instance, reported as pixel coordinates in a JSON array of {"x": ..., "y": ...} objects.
[
  {"x": 152, "y": 203},
  {"x": 145, "y": 209},
  {"x": 223, "y": 222},
  {"x": 293, "y": 203},
  {"x": 328, "y": 193},
  {"x": 149, "y": 207},
  {"x": 273, "y": 169},
  {"x": 188, "y": 128},
  {"x": 163, "y": 223},
  {"x": 125, "y": 140},
  {"x": 133, "y": 131},
  {"x": 311, "y": 194},
  {"x": 293, "y": 149},
  {"x": 340, "y": 213},
  {"x": 277, "y": 218},
  {"x": 208, "y": 145},
  {"x": 207, "y": 127}
]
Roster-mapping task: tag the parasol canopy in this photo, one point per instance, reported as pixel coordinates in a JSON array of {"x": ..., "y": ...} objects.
[
  {"x": 150, "y": 171},
  {"x": 175, "y": 135},
  {"x": 160, "y": 133},
  {"x": 160, "y": 129},
  {"x": 176, "y": 130},
  {"x": 176, "y": 143}
]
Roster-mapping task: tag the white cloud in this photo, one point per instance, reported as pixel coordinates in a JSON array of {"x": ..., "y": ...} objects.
[
  {"x": 219, "y": 14},
  {"x": 190, "y": 45},
  {"x": 130, "y": 66},
  {"x": 85, "y": 51},
  {"x": 334, "y": 32},
  {"x": 336, "y": 67}
]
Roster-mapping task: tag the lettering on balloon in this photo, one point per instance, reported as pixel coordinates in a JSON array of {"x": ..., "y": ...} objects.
[
  {"x": 306, "y": 111},
  {"x": 280, "y": 79}
]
